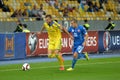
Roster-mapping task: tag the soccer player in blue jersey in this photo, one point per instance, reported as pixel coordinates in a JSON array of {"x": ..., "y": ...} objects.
[{"x": 80, "y": 36}]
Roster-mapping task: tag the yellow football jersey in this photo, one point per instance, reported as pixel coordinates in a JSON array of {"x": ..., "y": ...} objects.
[{"x": 53, "y": 30}]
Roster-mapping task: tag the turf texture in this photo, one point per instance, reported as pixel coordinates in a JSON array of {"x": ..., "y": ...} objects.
[{"x": 94, "y": 69}]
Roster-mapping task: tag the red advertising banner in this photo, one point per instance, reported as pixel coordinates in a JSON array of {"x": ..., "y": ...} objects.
[
  {"x": 36, "y": 44},
  {"x": 92, "y": 42},
  {"x": 67, "y": 43}
]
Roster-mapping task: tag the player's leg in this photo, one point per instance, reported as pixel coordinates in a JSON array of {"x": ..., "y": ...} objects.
[
  {"x": 60, "y": 59},
  {"x": 75, "y": 58},
  {"x": 50, "y": 53},
  {"x": 50, "y": 49},
  {"x": 82, "y": 54},
  {"x": 86, "y": 55},
  {"x": 79, "y": 51},
  {"x": 77, "y": 54},
  {"x": 58, "y": 53}
]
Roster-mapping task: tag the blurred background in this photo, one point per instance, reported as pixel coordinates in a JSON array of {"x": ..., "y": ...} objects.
[
  {"x": 102, "y": 16},
  {"x": 32, "y": 12}
]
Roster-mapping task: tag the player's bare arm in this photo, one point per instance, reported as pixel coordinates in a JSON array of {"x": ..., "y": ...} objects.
[
  {"x": 68, "y": 33},
  {"x": 42, "y": 28},
  {"x": 86, "y": 37},
  {"x": 64, "y": 30}
]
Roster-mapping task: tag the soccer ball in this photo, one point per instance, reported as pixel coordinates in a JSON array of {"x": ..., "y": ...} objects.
[{"x": 25, "y": 67}]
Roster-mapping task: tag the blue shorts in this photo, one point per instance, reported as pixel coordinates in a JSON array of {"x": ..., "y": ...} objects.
[{"x": 78, "y": 49}]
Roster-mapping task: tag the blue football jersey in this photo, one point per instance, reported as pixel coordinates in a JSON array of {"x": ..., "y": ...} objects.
[{"x": 78, "y": 34}]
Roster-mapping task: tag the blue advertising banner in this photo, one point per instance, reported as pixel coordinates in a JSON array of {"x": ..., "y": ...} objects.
[
  {"x": 109, "y": 40},
  {"x": 12, "y": 46},
  {"x": 115, "y": 40},
  {"x": 20, "y": 45},
  {"x": 100, "y": 41},
  {"x": 2, "y": 46},
  {"x": 9, "y": 45}
]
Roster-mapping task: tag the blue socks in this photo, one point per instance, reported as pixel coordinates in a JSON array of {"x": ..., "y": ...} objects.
[
  {"x": 74, "y": 62},
  {"x": 81, "y": 55}
]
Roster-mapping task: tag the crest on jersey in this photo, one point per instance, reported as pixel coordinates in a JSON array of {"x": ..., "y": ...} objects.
[{"x": 78, "y": 30}]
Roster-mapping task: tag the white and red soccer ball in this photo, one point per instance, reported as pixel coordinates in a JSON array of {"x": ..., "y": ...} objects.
[{"x": 25, "y": 66}]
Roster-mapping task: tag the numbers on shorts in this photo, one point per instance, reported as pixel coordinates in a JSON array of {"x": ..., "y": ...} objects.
[{"x": 79, "y": 49}]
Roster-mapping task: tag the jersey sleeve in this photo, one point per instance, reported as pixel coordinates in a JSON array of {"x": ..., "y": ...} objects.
[
  {"x": 56, "y": 23},
  {"x": 84, "y": 31},
  {"x": 44, "y": 24},
  {"x": 69, "y": 30}
]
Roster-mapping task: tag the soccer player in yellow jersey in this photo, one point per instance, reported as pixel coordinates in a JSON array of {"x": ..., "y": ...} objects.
[{"x": 54, "y": 34}]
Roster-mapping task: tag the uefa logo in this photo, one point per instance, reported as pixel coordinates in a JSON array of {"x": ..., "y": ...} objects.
[
  {"x": 32, "y": 42},
  {"x": 107, "y": 40}
]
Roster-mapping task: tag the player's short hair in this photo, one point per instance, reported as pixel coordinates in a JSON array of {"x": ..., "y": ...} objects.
[
  {"x": 85, "y": 20},
  {"x": 74, "y": 20},
  {"x": 20, "y": 24},
  {"x": 56, "y": 20},
  {"x": 109, "y": 19},
  {"x": 48, "y": 16}
]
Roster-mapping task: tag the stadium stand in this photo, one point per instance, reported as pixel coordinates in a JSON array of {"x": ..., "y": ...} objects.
[{"x": 60, "y": 9}]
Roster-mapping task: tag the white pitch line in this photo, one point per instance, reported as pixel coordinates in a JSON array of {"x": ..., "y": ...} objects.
[{"x": 58, "y": 66}]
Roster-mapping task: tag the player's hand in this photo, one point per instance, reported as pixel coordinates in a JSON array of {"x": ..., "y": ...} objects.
[
  {"x": 39, "y": 33},
  {"x": 84, "y": 44},
  {"x": 71, "y": 37}
]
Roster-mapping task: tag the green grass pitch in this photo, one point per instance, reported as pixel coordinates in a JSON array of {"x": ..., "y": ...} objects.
[{"x": 94, "y": 69}]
